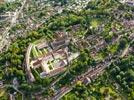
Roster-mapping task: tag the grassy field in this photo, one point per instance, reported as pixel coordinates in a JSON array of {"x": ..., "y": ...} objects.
[
  {"x": 95, "y": 23},
  {"x": 35, "y": 52},
  {"x": 3, "y": 94}
]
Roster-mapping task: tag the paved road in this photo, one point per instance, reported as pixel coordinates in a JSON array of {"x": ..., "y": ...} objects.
[{"x": 27, "y": 58}]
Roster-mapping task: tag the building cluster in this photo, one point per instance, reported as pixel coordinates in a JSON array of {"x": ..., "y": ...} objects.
[
  {"x": 129, "y": 24},
  {"x": 85, "y": 78},
  {"x": 77, "y": 5},
  {"x": 55, "y": 58},
  {"x": 51, "y": 64},
  {"x": 100, "y": 44},
  {"x": 129, "y": 2}
]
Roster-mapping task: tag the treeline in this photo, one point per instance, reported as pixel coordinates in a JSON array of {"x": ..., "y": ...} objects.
[{"x": 123, "y": 73}]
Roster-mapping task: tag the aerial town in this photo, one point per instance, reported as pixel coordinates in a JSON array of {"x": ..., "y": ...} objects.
[{"x": 66, "y": 49}]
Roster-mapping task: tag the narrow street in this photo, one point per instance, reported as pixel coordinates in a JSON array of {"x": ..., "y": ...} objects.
[{"x": 5, "y": 34}]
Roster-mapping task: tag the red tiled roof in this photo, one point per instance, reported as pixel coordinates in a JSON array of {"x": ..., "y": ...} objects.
[
  {"x": 37, "y": 62},
  {"x": 60, "y": 34},
  {"x": 56, "y": 71},
  {"x": 42, "y": 45},
  {"x": 50, "y": 53}
]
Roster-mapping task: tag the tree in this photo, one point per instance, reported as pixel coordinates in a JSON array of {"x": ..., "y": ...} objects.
[
  {"x": 83, "y": 57},
  {"x": 117, "y": 69},
  {"x": 113, "y": 71},
  {"x": 132, "y": 94},
  {"x": 130, "y": 75},
  {"x": 66, "y": 79},
  {"x": 10, "y": 89},
  {"x": 36, "y": 88},
  {"x": 121, "y": 73},
  {"x": 128, "y": 16},
  {"x": 25, "y": 87},
  {"x": 63, "y": 2},
  {"x": 106, "y": 91},
  {"x": 122, "y": 44},
  {"x": 81, "y": 91},
  {"x": 46, "y": 81},
  {"x": 118, "y": 77}
]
